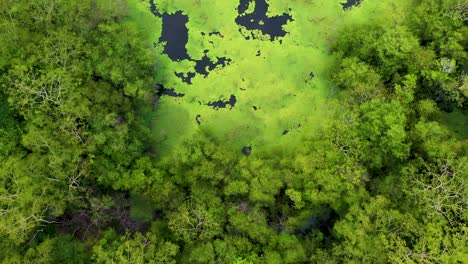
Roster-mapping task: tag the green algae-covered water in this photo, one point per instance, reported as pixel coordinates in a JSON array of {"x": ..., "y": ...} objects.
[{"x": 261, "y": 84}]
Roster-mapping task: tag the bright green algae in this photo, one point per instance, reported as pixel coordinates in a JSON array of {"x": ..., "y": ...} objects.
[{"x": 277, "y": 82}]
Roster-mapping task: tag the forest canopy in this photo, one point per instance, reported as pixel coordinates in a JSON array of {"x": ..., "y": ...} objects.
[{"x": 251, "y": 131}]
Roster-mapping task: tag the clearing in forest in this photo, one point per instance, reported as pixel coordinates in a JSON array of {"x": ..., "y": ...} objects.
[{"x": 252, "y": 73}]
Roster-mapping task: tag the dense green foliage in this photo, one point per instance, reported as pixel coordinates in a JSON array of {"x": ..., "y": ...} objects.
[{"x": 384, "y": 180}]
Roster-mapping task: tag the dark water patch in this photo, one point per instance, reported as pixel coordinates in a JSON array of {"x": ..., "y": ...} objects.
[
  {"x": 243, "y": 6},
  {"x": 258, "y": 19},
  {"x": 162, "y": 91},
  {"x": 224, "y": 103},
  {"x": 205, "y": 65},
  {"x": 216, "y": 33},
  {"x": 153, "y": 9},
  {"x": 175, "y": 34},
  {"x": 171, "y": 92},
  {"x": 185, "y": 77},
  {"x": 198, "y": 119},
  {"x": 350, "y": 3},
  {"x": 291, "y": 129},
  {"x": 247, "y": 150},
  {"x": 311, "y": 77}
]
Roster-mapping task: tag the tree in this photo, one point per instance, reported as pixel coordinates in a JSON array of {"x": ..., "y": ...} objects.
[
  {"x": 199, "y": 218},
  {"x": 374, "y": 233},
  {"x": 383, "y": 130},
  {"x": 60, "y": 249},
  {"x": 136, "y": 248},
  {"x": 76, "y": 118},
  {"x": 364, "y": 83}
]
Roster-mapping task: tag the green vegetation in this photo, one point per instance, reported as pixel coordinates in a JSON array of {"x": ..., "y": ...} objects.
[{"x": 371, "y": 166}]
